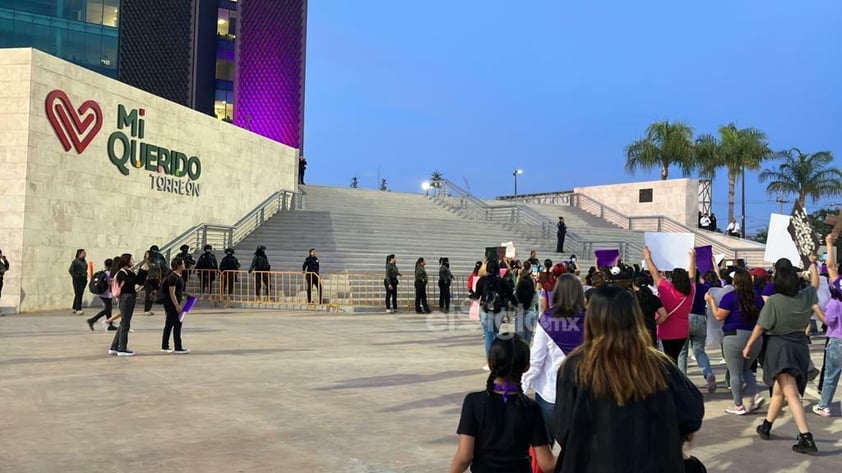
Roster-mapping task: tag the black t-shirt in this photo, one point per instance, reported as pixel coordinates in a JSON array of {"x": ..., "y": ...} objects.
[
  {"x": 650, "y": 308},
  {"x": 173, "y": 280},
  {"x": 504, "y": 431}
]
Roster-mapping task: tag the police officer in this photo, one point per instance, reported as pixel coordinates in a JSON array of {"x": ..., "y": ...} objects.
[
  {"x": 229, "y": 263},
  {"x": 311, "y": 274},
  {"x": 207, "y": 267},
  {"x": 189, "y": 262}
]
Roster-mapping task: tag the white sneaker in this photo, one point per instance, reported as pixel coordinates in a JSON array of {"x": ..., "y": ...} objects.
[
  {"x": 125, "y": 353},
  {"x": 167, "y": 350},
  {"x": 822, "y": 411},
  {"x": 756, "y": 402},
  {"x": 183, "y": 351},
  {"x": 79, "y": 312},
  {"x": 112, "y": 352},
  {"x": 148, "y": 314},
  {"x": 736, "y": 410},
  {"x": 486, "y": 368},
  {"x": 388, "y": 311},
  {"x": 131, "y": 330}
]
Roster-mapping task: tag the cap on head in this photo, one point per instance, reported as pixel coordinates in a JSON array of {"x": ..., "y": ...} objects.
[
  {"x": 758, "y": 273},
  {"x": 229, "y": 251},
  {"x": 208, "y": 247},
  {"x": 154, "y": 248},
  {"x": 184, "y": 247}
]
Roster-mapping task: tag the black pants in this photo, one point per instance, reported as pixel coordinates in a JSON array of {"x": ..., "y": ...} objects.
[
  {"x": 672, "y": 348},
  {"x": 559, "y": 248},
  {"x": 173, "y": 325},
  {"x": 150, "y": 287},
  {"x": 121, "y": 337},
  {"x": 1, "y": 287},
  {"x": 106, "y": 312},
  {"x": 206, "y": 277},
  {"x": 258, "y": 278},
  {"x": 421, "y": 297},
  {"x": 444, "y": 297},
  {"x": 79, "y": 284},
  {"x": 392, "y": 296},
  {"x": 313, "y": 280},
  {"x": 229, "y": 280}
]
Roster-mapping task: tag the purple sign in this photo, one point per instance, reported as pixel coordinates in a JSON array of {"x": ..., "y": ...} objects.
[
  {"x": 607, "y": 258},
  {"x": 704, "y": 258}
]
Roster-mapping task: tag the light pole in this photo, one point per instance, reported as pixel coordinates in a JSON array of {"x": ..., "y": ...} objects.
[
  {"x": 515, "y": 174},
  {"x": 743, "y": 206},
  {"x": 426, "y": 186}
]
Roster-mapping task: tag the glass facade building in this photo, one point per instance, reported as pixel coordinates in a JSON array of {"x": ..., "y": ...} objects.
[{"x": 85, "y": 32}]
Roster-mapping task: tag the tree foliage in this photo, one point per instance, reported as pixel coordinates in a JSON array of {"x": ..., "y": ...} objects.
[
  {"x": 665, "y": 144},
  {"x": 803, "y": 175}
]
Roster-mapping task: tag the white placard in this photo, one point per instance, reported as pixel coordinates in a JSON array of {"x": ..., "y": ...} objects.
[
  {"x": 670, "y": 250},
  {"x": 779, "y": 242},
  {"x": 510, "y": 249}
]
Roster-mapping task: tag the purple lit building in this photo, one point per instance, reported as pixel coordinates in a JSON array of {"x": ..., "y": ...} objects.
[{"x": 240, "y": 60}]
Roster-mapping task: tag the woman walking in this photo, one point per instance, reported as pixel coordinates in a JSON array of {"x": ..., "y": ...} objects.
[
  {"x": 173, "y": 287},
  {"x": 126, "y": 283},
  {"x": 833, "y": 320},
  {"x": 787, "y": 358},
  {"x": 739, "y": 310},
  {"x": 620, "y": 404},
  {"x": 699, "y": 333},
  {"x": 677, "y": 295},
  {"x": 559, "y": 331},
  {"x": 650, "y": 304},
  {"x": 106, "y": 299},
  {"x": 421, "y": 306},
  {"x": 445, "y": 279},
  {"x": 79, "y": 273}
]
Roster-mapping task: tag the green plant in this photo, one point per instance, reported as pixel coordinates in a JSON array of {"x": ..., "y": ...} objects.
[
  {"x": 804, "y": 175},
  {"x": 665, "y": 144}
]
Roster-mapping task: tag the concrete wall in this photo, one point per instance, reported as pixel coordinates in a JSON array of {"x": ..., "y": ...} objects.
[
  {"x": 677, "y": 199},
  {"x": 58, "y": 201}
]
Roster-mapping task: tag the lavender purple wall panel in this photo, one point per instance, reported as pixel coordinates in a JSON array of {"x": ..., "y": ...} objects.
[{"x": 269, "y": 84}]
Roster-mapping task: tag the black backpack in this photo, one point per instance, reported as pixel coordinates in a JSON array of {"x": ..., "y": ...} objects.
[
  {"x": 491, "y": 300},
  {"x": 99, "y": 283}
]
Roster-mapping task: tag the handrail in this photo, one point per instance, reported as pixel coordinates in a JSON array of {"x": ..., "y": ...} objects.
[
  {"x": 518, "y": 217},
  {"x": 656, "y": 223},
  {"x": 224, "y": 236}
]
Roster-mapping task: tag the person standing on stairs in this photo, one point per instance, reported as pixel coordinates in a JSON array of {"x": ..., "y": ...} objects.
[
  {"x": 311, "y": 275},
  {"x": 445, "y": 279},
  {"x": 561, "y": 233},
  {"x": 189, "y": 262},
  {"x": 207, "y": 268},
  {"x": 421, "y": 306},
  {"x": 391, "y": 284}
]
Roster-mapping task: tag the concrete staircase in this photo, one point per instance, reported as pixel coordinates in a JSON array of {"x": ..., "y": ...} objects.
[{"x": 354, "y": 229}]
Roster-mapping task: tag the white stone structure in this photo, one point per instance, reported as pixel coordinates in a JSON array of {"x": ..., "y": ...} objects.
[
  {"x": 74, "y": 185},
  {"x": 677, "y": 199}
]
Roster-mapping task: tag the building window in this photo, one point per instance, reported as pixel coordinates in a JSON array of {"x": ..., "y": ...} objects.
[
  {"x": 645, "y": 195},
  {"x": 226, "y": 24},
  {"x": 224, "y": 70},
  {"x": 103, "y": 12}
]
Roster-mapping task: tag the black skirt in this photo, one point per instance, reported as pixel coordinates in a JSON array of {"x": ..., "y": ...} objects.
[{"x": 789, "y": 354}]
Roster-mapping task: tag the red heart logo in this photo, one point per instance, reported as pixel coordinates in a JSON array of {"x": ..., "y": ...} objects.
[{"x": 69, "y": 124}]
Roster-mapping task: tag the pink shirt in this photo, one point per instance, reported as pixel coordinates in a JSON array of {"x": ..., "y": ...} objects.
[{"x": 677, "y": 325}]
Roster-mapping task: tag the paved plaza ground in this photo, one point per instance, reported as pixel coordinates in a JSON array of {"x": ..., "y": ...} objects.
[{"x": 287, "y": 392}]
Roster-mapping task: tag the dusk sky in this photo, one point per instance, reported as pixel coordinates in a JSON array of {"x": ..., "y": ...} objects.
[{"x": 476, "y": 89}]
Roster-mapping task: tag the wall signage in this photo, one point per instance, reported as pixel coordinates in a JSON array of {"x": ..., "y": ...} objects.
[{"x": 171, "y": 171}]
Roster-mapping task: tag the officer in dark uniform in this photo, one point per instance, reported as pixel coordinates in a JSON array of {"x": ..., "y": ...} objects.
[
  {"x": 229, "y": 262},
  {"x": 189, "y": 262},
  {"x": 561, "y": 233},
  {"x": 311, "y": 274}
]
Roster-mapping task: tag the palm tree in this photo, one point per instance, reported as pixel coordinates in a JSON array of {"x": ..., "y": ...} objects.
[
  {"x": 666, "y": 144},
  {"x": 435, "y": 178},
  {"x": 804, "y": 175},
  {"x": 736, "y": 150}
]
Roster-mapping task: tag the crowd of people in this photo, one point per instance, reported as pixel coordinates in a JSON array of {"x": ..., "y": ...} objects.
[{"x": 606, "y": 356}]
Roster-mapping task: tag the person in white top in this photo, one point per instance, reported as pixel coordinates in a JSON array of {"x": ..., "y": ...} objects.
[
  {"x": 733, "y": 229},
  {"x": 560, "y": 329},
  {"x": 704, "y": 222}
]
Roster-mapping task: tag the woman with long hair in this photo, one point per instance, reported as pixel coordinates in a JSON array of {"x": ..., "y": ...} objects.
[
  {"x": 739, "y": 311},
  {"x": 421, "y": 306},
  {"x": 558, "y": 332},
  {"x": 650, "y": 305},
  {"x": 787, "y": 360},
  {"x": 677, "y": 294},
  {"x": 127, "y": 281},
  {"x": 620, "y": 404}
]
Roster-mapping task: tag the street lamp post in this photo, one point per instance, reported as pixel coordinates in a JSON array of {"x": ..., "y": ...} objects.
[
  {"x": 743, "y": 206},
  {"x": 426, "y": 187},
  {"x": 515, "y": 174}
]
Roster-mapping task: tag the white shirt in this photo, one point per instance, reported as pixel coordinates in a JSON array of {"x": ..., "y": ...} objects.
[
  {"x": 823, "y": 293},
  {"x": 733, "y": 227},
  {"x": 714, "y": 327},
  {"x": 705, "y": 222},
  {"x": 545, "y": 359}
]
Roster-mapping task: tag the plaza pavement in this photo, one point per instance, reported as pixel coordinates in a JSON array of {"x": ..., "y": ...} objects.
[{"x": 287, "y": 392}]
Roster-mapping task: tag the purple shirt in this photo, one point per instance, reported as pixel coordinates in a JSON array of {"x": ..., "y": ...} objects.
[
  {"x": 735, "y": 319},
  {"x": 769, "y": 290},
  {"x": 567, "y": 332},
  {"x": 833, "y": 318}
]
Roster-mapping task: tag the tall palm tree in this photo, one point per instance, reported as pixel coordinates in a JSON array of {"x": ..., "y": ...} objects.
[
  {"x": 666, "y": 144},
  {"x": 804, "y": 175},
  {"x": 435, "y": 178},
  {"x": 736, "y": 150}
]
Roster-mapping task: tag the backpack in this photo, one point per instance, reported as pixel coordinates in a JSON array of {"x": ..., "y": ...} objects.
[
  {"x": 116, "y": 286},
  {"x": 156, "y": 267},
  {"x": 99, "y": 283},
  {"x": 491, "y": 300}
]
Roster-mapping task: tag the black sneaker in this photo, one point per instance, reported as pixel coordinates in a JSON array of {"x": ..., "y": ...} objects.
[
  {"x": 90, "y": 324},
  {"x": 805, "y": 444},
  {"x": 764, "y": 430},
  {"x": 111, "y": 327}
]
